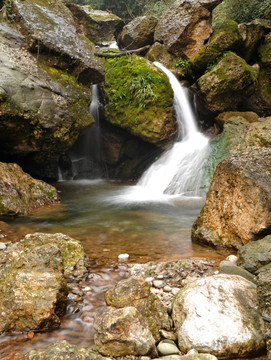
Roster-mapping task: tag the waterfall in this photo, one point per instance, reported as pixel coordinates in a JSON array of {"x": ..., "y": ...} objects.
[{"x": 179, "y": 171}]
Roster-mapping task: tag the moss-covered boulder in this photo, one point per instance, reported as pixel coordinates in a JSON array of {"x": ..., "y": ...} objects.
[
  {"x": 42, "y": 109},
  {"x": 139, "y": 99},
  {"x": 226, "y": 37},
  {"x": 241, "y": 11},
  {"x": 64, "y": 351},
  {"x": 72, "y": 252},
  {"x": 137, "y": 33},
  {"x": 135, "y": 292},
  {"x": 230, "y": 82},
  {"x": 265, "y": 52},
  {"x": 248, "y": 116},
  {"x": 48, "y": 26},
  {"x": 97, "y": 25},
  {"x": 259, "y": 133},
  {"x": 260, "y": 101},
  {"x": 20, "y": 194}
]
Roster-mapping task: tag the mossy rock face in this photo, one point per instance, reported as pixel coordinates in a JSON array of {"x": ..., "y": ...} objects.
[
  {"x": 241, "y": 11},
  {"x": 49, "y": 27},
  {"x": 260, "y": 102},
  {"x": 226, "y": 37},
  {"x": 265, "y": 52},
  {"x": 230, "y": 82},
  {"x": 139, "y": 99},
  {"x": 43, "y": 109}
]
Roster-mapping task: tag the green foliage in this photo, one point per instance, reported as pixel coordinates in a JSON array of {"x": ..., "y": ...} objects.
[
  {"x": 7, "y": 10},
  {"x": 214, "y": 63},
  {"x": 183, "y": 63},
  {"x": 141, "y": 88}
]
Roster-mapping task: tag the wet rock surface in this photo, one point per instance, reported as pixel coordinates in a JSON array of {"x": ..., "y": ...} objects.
[
  {"x": 219, "y": 315},
  {"x": 97, "y": 25},
  {"x": 137, "y": 33},
  {"x": 20, "y": 194},
  {"x": 237, "y": 208},
  {"x": 185, "y": 26}
]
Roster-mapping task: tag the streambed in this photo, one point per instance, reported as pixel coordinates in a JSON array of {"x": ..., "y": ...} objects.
[{"x": 96, "y": 213}]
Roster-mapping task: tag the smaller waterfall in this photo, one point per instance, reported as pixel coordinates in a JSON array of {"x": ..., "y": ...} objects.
[{"x": 179, "y": 171}]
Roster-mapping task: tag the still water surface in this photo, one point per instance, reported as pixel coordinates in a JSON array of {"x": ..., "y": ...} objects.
[{"x": 96, "y": 213}]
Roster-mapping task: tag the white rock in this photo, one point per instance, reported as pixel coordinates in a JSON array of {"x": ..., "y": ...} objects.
[
  {"x": 149, "y": 279},
  {"x": 219, "y": 314},
  {"x": 123, "y": 257},
  {"x": 159, "y": 284},
  {"x": 167, "y": 347},
  {"x": 167, "y": 288},
  {"x": 2, "y": 246},
  {"x": 175, "y": 290},
  {"x": 232, "y": 259}
]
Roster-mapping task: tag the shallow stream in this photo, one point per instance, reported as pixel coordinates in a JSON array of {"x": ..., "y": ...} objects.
[{"x": 96, "y": 213}]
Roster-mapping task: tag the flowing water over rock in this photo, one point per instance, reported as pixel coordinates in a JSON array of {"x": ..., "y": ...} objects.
[{"x": 179, "y": 171}]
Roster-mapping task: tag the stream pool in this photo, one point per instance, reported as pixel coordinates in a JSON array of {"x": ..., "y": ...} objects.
[{"x": 96, "y": 213}]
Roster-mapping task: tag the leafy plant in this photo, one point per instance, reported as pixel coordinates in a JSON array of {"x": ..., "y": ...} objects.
[
  {"x": 8, "y": 11},
  {"x": 141, "y": 89},
  {"x": 183, "y": 63}
]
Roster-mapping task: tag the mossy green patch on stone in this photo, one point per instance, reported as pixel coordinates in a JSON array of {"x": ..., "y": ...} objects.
[{"x": 139, "y": 98}]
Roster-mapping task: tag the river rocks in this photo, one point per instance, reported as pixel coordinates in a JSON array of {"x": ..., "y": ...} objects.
[
  {"x": 259, "y": 134},
  {"x": 167, "y": 347},
  {"x": 139, "y": 99},
  {"x": 120, "y": 332},
  {"x": 42, "y": 109},
  {"x": 97, "y": 25},
  {"x": 185, "y": 26},
  {"x": 72, "y": 252},
  {"x": 64, "y": 351},
  {"x": 219, "y": 315},
  {"x": 225, "y": 38},
  {"x": 136, "y": 292},
  {"x": 237, "y": 208},
  {"x": 49, "y": 27},
  {"x": 20, "y": 194},
  {"x": 230, "y": 82},
  {"x": 137, "y": 33}
]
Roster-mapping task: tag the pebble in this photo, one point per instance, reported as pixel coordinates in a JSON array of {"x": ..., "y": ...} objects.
[
  {"x": 2, "y": 246},
  {"x": 175, "y": 290},
  {"x": 149, "y": 280},
  {"x": 160, "y": 277},
  {"x": 167, "y": 288},
  {"x": 168, "y": 335},
  {"x": 87, "y": 288},
  {"x": 232, "y": 259},
  {"x": 123, "y": 257},
  {"x": 167, "y": 347},
  {"x": 159, "y": 284}
]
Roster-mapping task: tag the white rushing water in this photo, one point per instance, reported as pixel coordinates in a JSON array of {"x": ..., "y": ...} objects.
[{"x": 179, "y": 171}]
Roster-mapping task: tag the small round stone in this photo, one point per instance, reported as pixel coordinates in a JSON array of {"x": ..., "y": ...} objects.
[
  {"x": 167, "y": 347},
  {"x": 167, "y": 288},
  {"x": 159, "y": 284},
  {"x": 2, "y": 246},
  {"x": 123, "y": 257}
]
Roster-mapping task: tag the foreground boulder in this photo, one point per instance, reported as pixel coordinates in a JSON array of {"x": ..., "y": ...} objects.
[
  {"x": 33, "y": 280},
  {"x": 185, "y": 26},
  {"x": 137, "y": 33},
  {"x": 121, "y": 332},
  {"x": 136, "y": 292},
  {"x": 229, "y": 83},
  {"x": 64, "y": 351},
  {"x": 237, "y": 208},
  {"x": 139, "y": 99},
  {"x": 20, "y": 194},
  {"x": 97, "y": 25},
  {"x": 219, "y": 314}
]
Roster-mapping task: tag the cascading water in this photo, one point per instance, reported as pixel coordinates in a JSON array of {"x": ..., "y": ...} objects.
[{"x": 178, "y": 171}]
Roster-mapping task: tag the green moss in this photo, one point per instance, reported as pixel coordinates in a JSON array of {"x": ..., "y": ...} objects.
[
  {"x": 139, "y": 98},
  {"x": 265, "y": 54}
]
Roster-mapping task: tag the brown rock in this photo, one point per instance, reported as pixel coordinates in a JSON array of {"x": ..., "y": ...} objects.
[
  {"x": 121, "y": 332},
  {"x": 237, "y": 208},
  {"x": 185, "y": 26},
  {"x": 249, "y": 116},
  {"x": 20, "y": 194},
  {"x": 137, "y": 33}
]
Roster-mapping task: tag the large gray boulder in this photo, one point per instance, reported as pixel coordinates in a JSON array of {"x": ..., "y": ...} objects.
[
  {"x": 20, "y": 194},
  {"x": 219, "y": 315},
  {"x": 121, "y": 332},
  {"x": 97, "y": 25},
  {"x": 137, "y": 33},
  {"x": 185, "y": 26},
  {"x": 237, "y": 208}
]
